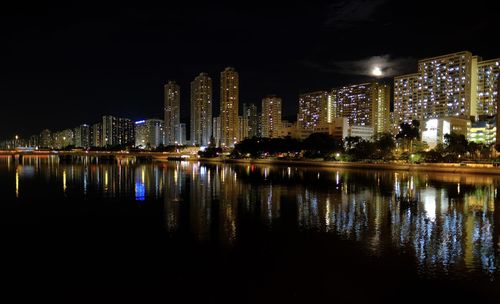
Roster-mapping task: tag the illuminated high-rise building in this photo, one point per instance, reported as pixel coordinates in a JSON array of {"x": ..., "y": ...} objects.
[
  {"x": 251, "y": 120},
  {"x": 172, "y": 112},
  {"x": 229, "y": 100},
  {"x": 407, "y": 103},
  {"x": 82, "y": 136},
  {"x": 271, "y": 117},
  {"x": 446, "y": 85},
  {"x": 201, "y": 110},
  {"x": 96, "y": 135},
  {"x": 149, "y": 133},
  {"x": 313, "y": 110},
  {"x": 46, "y": 139},
  {"x": 487, "y": 86},
  {"x": 216, "y": 130},
  {"x": 62, "y": 139},
  {"x": 452, "y": 85},
  {"x": 117, "y": 131},
  {"x": 366, "y": 104}
]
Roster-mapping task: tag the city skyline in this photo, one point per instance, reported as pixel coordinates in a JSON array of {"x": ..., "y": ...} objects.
[{"x": 115, "y": 60}]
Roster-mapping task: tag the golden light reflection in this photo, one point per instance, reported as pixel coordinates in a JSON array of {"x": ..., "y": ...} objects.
[
  {"x": 64, "y": 181},
  {"x": 17, "y": 182}
]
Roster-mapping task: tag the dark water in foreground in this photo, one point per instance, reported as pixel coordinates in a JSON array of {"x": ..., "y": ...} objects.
[{"x": 183, "y": 232}]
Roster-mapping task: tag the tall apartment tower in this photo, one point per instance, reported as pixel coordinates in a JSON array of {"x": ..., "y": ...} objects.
[
  {"x": 172, "y": 112},
  {"x": 313, "y": 110},
  {"x": 251, "y": 120},
  {"x": 488, "y": 72},
  {"x": 381, "y": 107},
  {"x": 117, "y": 131},
  {"x": 271, "y": 117},
  {"x": 229, "y": 100},
  {"x": 366, "y": 104},
  {"x": 201, "y": 110},
  {"x": 452, "y": 85}
]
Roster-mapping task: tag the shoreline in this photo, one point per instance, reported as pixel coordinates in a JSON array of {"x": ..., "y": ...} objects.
[{"x": 485, "y": 169}]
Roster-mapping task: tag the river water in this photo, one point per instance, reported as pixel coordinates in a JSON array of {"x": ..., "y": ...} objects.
[{"x": 218, "y": 233}]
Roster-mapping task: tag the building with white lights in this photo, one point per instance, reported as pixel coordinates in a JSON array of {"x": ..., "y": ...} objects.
[
  {"x": 201, "y": 110},
  {"x": 452, "y": 85},
  {"x": 149, "y": 133},
  {"x": 171, "y": 112},
  {"x": 271, "y": 117}
]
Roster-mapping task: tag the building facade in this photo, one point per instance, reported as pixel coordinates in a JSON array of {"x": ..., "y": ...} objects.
[
  {"x": 251, "y": 120},
  {"x": 314, "y": 110},
  {"x": 149, "y": 133},
  {"x": 117, "y": 131},
  {"x": 452, "y": 85},
  {"x": 229, "y": 101},
  {"x": 82, "y": 136},
  {"x": 271, "y": 117},
  {"x": 172, "y": 100},
  {"x": 366, "y": 104},
  {"x": 201, "y": 110}
]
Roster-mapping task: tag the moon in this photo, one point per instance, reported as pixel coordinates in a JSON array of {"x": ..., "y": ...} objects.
[{"x": 376, "y": 71}]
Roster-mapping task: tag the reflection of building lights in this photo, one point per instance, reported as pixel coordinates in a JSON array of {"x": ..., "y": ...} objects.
[
  {"x": 17, "y": 183},
  {"x": 64, "y": 181}
]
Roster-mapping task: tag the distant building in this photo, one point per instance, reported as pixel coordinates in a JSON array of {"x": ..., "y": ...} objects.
[
  {"x": 117, "y": 131},
  {"x": 82, "y": 136},
  {"x": 201, "y": 110},
  {"x": 366, "y": 104},
  {"x": 229, "y": 101},
  {"x": 451, "y": 85},
  {"x": 251, "y": 120},
  {"x": 313, "y": 110},
  {"x": 182, "y": 131},
  {"x": 242, "y": 128},
  {"x": 46, "y": 139},
  {"x": 271, "y": 117},
  {"x": 216, "y": 129},
  {"x": 62, "y": 139},
  {"x": 149, "y": 133},
  {"x": 488, "y": 72},
  {"x": 287, "y": 128},
  {"x": 172, "y": 112},
  {"x": 96, "y": 135}
]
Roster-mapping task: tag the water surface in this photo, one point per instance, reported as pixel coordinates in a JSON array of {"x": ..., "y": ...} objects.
[{"x": 188, "y": 232}]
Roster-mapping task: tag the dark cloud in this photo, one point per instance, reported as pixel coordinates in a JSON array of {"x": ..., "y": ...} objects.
[{"x": 348, "y": 14}]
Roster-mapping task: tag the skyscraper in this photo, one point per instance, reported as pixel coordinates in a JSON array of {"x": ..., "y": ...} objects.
[
  {"x": 96, "y": 135},
  {"x": 271, "y": 117},
  {"x": 117, "y": 131},
  {"x": 251, "y": 120},
  {"x": 487, "y": 86},
  {"x": 229, "y": 100},
  {"x": 172, "y": 112},
  {"x": 201, "y": 110},
  {"x": 313, "y": 110},
  {"x": 82, "y": 136},
  {"x": 457, "y": 84},
  {"x": 149, "y": 133},
  {"x": 366, "y": 104}
]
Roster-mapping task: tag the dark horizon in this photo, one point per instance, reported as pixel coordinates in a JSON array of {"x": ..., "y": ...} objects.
[{"x": 67, "y": 65}]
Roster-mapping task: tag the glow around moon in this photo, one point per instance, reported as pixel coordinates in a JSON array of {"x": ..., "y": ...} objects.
[{"x": 377, "y": 71}]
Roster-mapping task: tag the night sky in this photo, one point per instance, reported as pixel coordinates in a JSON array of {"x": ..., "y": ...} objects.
[{"x": 66, "y": 65}]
